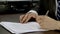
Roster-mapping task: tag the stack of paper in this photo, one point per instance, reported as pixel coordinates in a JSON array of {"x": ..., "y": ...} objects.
[{"x": 21, "y": 28}]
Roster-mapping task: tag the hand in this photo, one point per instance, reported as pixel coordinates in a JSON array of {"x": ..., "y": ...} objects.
[
  {"x": 47, "y": 23},
  {"x": 25, "y": 18}
]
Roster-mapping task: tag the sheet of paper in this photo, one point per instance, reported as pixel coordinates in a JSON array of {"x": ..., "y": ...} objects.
[{"x": 21, "y": 28}]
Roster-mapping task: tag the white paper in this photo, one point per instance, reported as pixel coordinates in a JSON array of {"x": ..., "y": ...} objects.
[{"x": 21, "y": 28}]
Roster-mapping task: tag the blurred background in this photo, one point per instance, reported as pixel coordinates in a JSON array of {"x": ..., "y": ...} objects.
[{"x": 16, "y": 6}]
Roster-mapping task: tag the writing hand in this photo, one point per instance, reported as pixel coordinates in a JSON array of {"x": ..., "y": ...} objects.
[{"x": 47, "y": 23}]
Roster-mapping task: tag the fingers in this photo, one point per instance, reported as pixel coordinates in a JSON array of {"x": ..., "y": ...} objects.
[
  {"x": 28, "y": 18},
  {"x": 25, "y": 18},
  {"x": 31, "y": 15},
  {"x": 20, "y": 18}
]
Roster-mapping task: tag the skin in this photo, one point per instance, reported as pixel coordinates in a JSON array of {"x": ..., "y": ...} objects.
[
  {"x": 44, "y": 21},
  {"x": 48, "y": 23},
  {"x": 25, "y": 18}
]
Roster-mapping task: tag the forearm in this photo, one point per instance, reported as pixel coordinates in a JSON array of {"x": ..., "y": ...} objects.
[
  {"x": 51, "y": 25},
  {"x": 58, "y": 25},
  {"x": 48, "y": 23}
]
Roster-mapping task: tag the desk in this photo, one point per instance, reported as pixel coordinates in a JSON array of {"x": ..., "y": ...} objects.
[{"x": 47, "y": 32}]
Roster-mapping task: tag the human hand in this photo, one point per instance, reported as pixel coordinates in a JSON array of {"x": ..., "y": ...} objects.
[
  {"x": 47, "y": 23},
  {"x": 26, "y": 17}
]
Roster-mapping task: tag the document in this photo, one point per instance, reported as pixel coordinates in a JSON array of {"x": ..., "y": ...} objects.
[{"x": 21, "y": 28}]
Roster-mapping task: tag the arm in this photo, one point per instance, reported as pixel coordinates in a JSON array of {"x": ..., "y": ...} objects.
[{"x": 48, "y": 23}]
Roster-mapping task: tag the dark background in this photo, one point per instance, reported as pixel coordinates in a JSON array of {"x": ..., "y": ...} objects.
[{"x": 10, "y": 7}]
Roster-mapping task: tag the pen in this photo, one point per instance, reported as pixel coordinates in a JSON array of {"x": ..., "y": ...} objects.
[{"x": 47, "y": 13}]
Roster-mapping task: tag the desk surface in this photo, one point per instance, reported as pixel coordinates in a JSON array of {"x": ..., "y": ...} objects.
[{"x": 47, "y": 32}]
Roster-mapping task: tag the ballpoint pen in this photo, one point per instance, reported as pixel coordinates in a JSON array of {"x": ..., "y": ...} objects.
[{"x": 47, "y": 13}]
